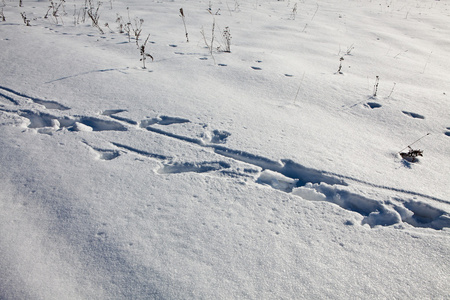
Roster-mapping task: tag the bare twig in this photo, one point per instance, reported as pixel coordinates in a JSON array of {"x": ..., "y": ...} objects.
[
  {"x": 340, "y": 65},
  {"x": 375, "y": 86},
  {"x": 212, "y": 34},
  {"x": 392, "y": 90},
  {"x": 119, "y": 21},
  {"x": 94, "y": 15},
  {"x": 144, "y": 55},
  {"x": 294, "y": 12},
  {"x": 137, "y": 31},
  {"x": 55, "y": 10},
  {"x": 298, "y": 90},
  {"x": 409, "y": 146},
  {"x": 25, "y": 20},
  {"x": 227, "y": 37},
  {"x": 184, "y": 22},
  {"x": 209, "y": 46},
  {"x": 426, "y": 64},
  {"x": 349, "y": 49},
  {"x": 315, "y": 11}
]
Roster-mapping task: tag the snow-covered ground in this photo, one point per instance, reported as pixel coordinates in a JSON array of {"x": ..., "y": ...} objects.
[{"x": 268, "y": 172}]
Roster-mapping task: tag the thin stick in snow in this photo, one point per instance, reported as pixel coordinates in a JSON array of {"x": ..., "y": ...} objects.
[
  {"x": 315, "y": 11},
  {"x": 426, "y": 64},
  {"x": 409, "y": 146},
  {"x": 184, "y": 22},
  {"x": 375, "y": 86},
  {"x": 392, "y": 90},
  {"x": 298, "y": 90},
  {"x": 212, "y": 34},
  {"x": 144, "y": 54}
]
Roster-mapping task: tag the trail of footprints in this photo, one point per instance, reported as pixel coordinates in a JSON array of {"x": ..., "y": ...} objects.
[
  {"x": 374, "y": 105},
  {"x": 285, "y": 175}
]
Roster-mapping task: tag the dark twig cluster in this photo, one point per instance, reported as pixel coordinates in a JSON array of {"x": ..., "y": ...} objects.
[
  {"x": 144, "y": 54},
  {"x": 411, "y": 155}
]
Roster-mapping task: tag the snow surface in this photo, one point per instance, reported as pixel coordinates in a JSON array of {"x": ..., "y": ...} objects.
[{"x": 265, "y": 173}]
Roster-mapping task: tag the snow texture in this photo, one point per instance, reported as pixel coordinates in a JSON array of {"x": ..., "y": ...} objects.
[{"x": 270, "y": 171}]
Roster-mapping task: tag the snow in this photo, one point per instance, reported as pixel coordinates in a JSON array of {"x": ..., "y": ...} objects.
[{"x": 263, "y": 173}]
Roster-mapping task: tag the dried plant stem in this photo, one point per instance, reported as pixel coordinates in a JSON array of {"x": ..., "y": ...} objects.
[
  {"x": 340, "y": 65},
  {"x": 25, "y": 20},
  {"x": 298, "y": 90},
  {"x": 93, "y": 14},
  {"x": 392, "y": 90},
  {"x": 212, "y": 34},
  {"x": 184, "y": 22},
  {"x": 143, "y": 53},
  {"x": 426, "y": 64},
  {"x": 294, "y": 12},
  {"x": 409, "y": 146},
  {"x": 315, "y": 11},
  {"x": 375, "y": 86}
]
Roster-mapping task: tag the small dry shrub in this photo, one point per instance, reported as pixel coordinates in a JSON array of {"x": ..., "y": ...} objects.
[{"x": 411, "y": 155}]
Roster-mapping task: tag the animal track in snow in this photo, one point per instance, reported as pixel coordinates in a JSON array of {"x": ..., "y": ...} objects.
[
  {"x": 46, "y": 122},
  {"x": 141, "y": 152},
  {"x": 201, "y": 167},
  {"x": 373, "y": 105},
  {"x": 101, "y": 125},
  {"x": 8, "y": 98},
  {"x": 448, "y": 132},
  {"x": 284, "y": 175},
  {"x": 413, "y": 115},
  {"x": 216, "y": 136},
  {"x": 291, "y": 177},
  {"x": 18, "y": 98},
  {"x": 112, "y": 114},
  {"x": 162, "y": 120},
  {"x": 424, "y": 214},
  {"x": 78, "y": 123},
  {"x": 104, "y": 154}
]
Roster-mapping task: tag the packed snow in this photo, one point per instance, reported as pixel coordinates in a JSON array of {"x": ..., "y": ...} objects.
[{"x": 155, "y": 149}]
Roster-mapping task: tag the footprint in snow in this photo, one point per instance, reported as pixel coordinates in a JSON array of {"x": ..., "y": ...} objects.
[
  {"x": 113, "y": 112},
  {"x": 413, "y": 115},
  {"x": 448, "y": 132},
  {"x": 186, "y": 167},
  {"x": 103, "y": 154},
  {"x": 215, "y": 136},
  {"x": 18, "y": 98},
  {"x": 373, "y": 105},
  {"x": 162, "y": 120}
]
